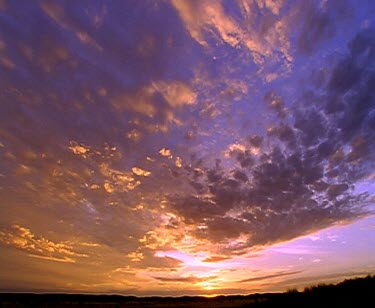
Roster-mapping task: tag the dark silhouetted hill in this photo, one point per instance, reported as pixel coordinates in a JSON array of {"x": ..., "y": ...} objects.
[{"x": 359, "y": 292}]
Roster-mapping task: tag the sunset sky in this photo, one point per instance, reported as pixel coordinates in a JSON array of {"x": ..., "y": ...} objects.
[{"x": 186, "y": 147}]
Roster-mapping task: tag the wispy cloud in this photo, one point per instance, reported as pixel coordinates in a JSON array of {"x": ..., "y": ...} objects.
[
  {"x": 265, "y": 277},
  {"x": 189, "y": 279},
  {"x": 209, "y": 18},
  {"x": 39, "y": 247}
]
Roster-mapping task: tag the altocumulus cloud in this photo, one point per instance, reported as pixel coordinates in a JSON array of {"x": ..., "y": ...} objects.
[
  {"x": 304, "y": 176},
  {"x": 133, "y": 129}
]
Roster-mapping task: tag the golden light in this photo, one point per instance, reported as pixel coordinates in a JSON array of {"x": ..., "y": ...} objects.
[{"x": 207, "y": 285}]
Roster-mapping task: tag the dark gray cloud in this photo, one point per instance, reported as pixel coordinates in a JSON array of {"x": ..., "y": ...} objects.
[
  {"x": 276, "y": 103},
  {"x": 304, "y": 177},
  {"x": 319, "y": 22}
]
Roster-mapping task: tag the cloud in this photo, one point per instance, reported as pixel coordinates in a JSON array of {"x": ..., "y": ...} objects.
[
  {"x": 135, "y": 256},
  {"x": 317, "y": 26},
  {"x": 215, "y": 259},
  {"x": 190, "y": 279},
  {"x": 330, "y": 277},
  {"x": 39, "y": 247},
  {"x": 178, "y": 162},
  {"x": 165, "y": 152},
  {"x": 157, "y": 103},
  {"x": 148, "y": 133},
  {"x": 303, "y": 176},
  {"x": 176, "y": 93},
  {"x": 276, "y": 103},
  {"x": 203, "y": 19},
  {"x": 117, "y": 180},
  {"x": 78, "y": 149},
  {"x": 318, "y": 22},
  {"x": 140, "y": 102},
  {"x": 57, "y": 13},
  {"x": 140, "y": 172},
  {"x": 280, "y": 274}
]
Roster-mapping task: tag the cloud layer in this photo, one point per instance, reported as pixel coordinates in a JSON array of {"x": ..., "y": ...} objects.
[
  {"x": 164, "y": 142},
  {"x": 300, "y": 176}
]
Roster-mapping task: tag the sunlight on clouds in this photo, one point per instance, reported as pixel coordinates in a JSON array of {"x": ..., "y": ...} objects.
[
  {"x": 171, "y": 233},
  {"x": 103, "y": 92},
  {"x": 234, "y": 148},
  {"x": 140, "y": 102},
  {"x": 207, "y": 285},
  {"x": 191, "y": 146},
  {"x": 178, "y": 162},
  {"x": 6, "y": 62},
  {"x": 108, "y": 187},
  {"x": 118, "y": 180},
  {"x": 165, "y": 152},
  {"x": 52, "y": 55},
  {"x": 273, "y": 5},
  {"x": 140, "y": 172},
  {"x": 37, "y": 246},
  {"x": 85, "y": 38},
  {"x": 135, "y": 256},
  {"x": 23, "y": 169},
  {"x": 193, "y": 21},
  {"x": 56, "y": 13},
  {"x": 207, "y": 14},
  {"x": 186, "y": 258},
  {"x": 160, "y": 237},
  {"x": 209, "y": 17},
  {"x": 195, "y": 270},
  {"x": 89, "y": 244},
  {"x": 271, "y": 77},
  {"x": 134, "y": 135},
  {"x": 78, "y": 149},
  {"x": 176, "y": 93},
  {"x": 235, "y": 90},
  {"x": 156, "y": 101}
]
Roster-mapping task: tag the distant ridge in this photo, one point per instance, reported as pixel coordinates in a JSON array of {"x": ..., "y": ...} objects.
[{"x": 357, "y": 292}]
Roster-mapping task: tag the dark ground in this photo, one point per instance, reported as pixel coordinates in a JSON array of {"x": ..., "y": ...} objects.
[{"x": 359, "y": 292}]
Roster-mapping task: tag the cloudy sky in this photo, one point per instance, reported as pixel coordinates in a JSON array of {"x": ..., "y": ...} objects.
[{"x": 186, "y": 147}]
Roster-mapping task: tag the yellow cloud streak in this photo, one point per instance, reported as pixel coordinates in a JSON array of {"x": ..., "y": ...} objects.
[{"x": 38, "y": 246}]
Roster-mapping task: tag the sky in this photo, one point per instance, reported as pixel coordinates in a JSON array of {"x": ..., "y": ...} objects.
[{"x": 185, "y": 147}]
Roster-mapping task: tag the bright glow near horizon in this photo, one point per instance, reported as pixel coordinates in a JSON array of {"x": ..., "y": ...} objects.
[{"x": 180, "y": 147}]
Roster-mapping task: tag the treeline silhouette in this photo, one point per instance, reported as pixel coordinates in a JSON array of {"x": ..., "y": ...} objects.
[{"x": 358, "y": 292}]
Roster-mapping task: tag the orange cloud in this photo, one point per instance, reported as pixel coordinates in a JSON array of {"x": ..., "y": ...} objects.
[
  {"x": 37, "y": 246},
  {"x": 176, "y": 93},
  {"x": 79, "y": 149},
  {"x": 165, "y": 152},
  {"x": 203, "y": 18},
  {"x": 57, "y": 13},
  {"x": 140, "y": 172},
  {"x": 117, "y": 180}
]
